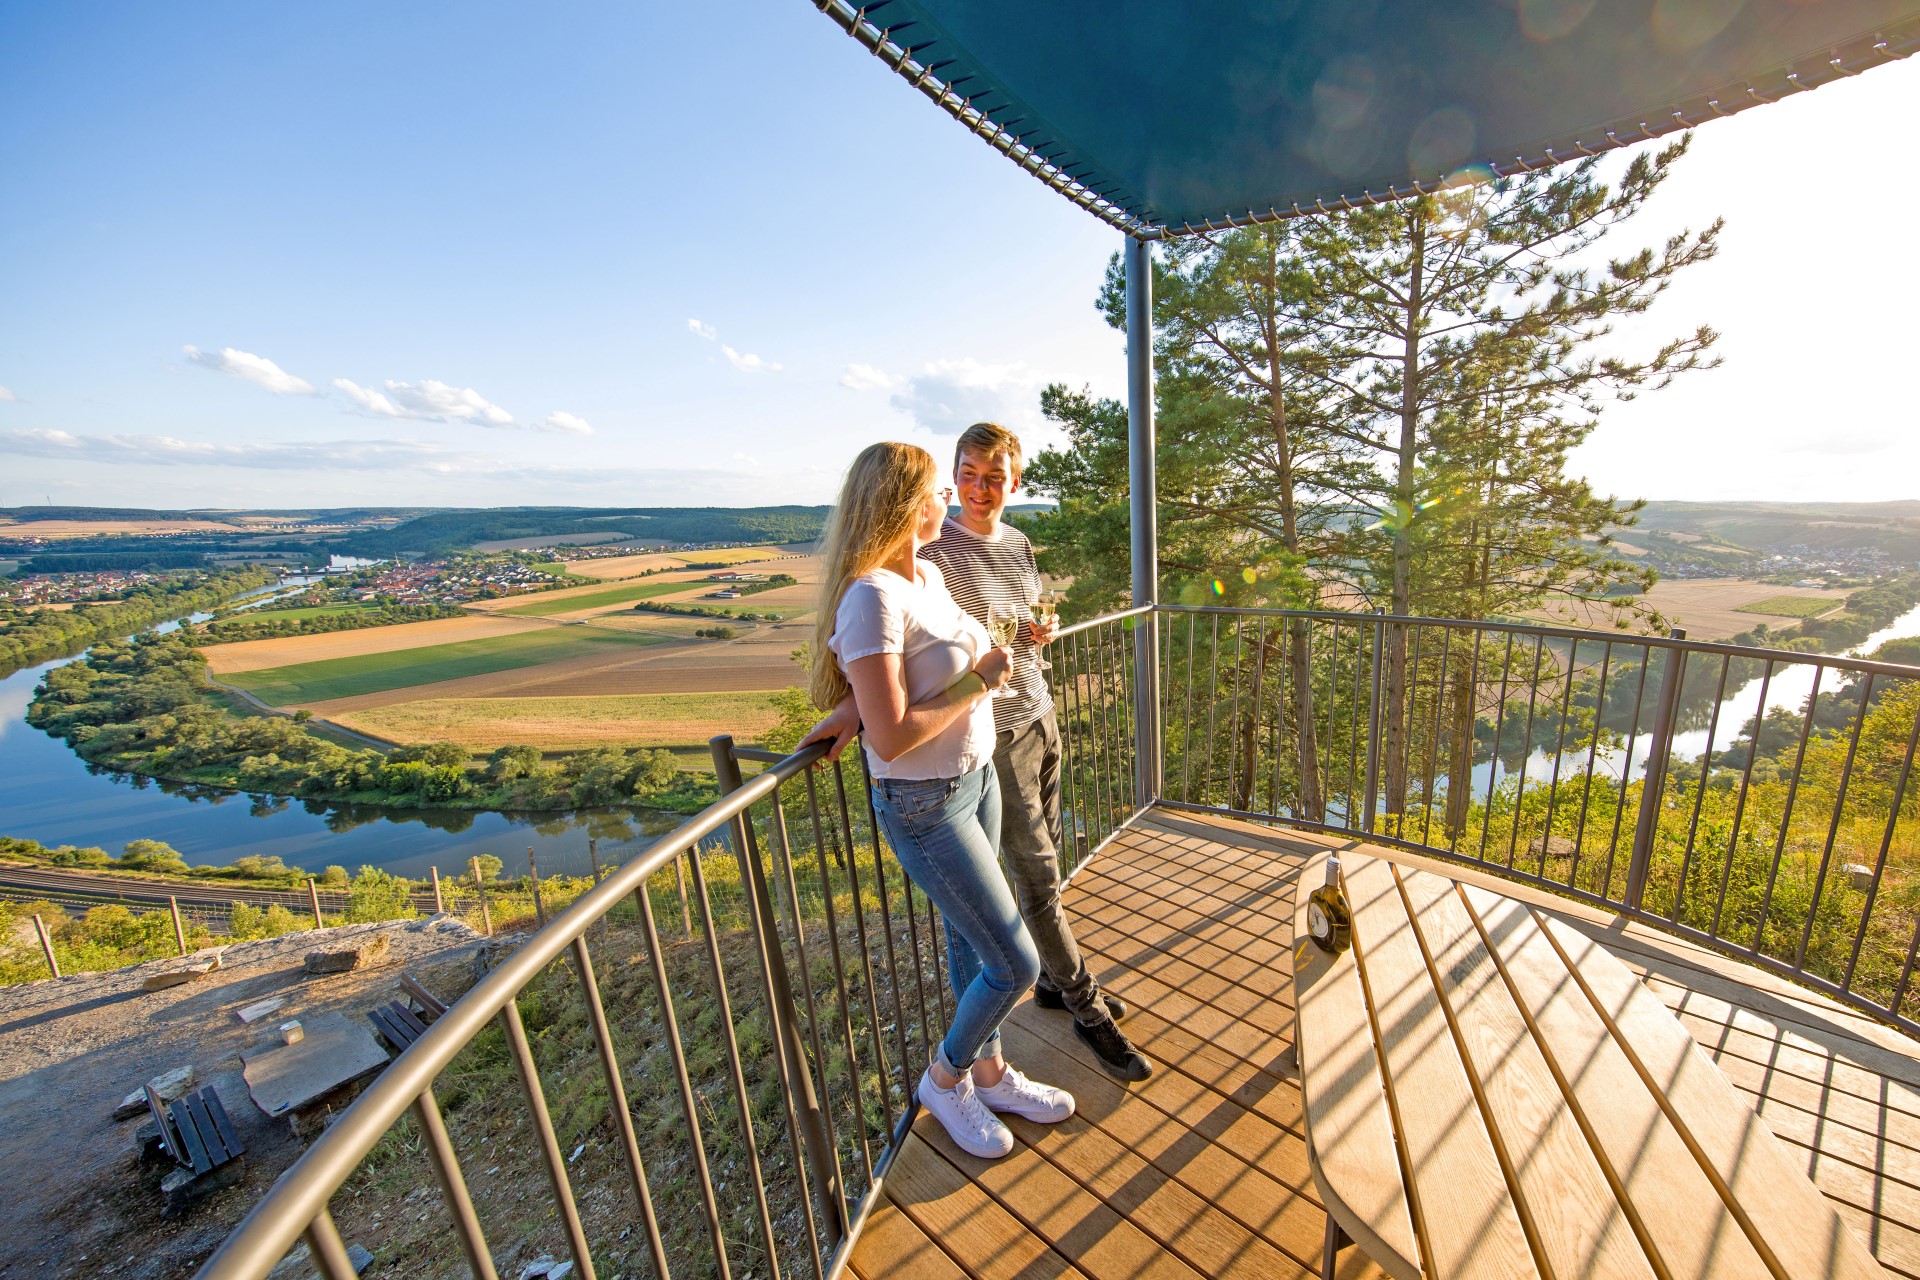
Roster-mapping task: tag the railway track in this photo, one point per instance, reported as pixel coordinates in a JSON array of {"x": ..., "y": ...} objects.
[{"x": 84, "y": 889}]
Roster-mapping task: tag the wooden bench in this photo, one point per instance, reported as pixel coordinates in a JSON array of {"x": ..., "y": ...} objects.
[
  {"x": 400, "y": 1025},
  {"x": 195, "y": 1130},
  {"x": 1489, "y": 1092}
]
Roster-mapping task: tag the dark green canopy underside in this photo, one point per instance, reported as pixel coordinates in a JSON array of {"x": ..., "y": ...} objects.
[{"x": 1165, "y": 117}]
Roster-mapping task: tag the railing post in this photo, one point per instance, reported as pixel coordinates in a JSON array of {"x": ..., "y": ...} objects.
[
  {"x": 46, "y": 944},
  {"x": 313, "y": 900},
  {"x": 1653, "y": 784},
  {"x": 780, "y": 1006},
  {"x": 1373, "y": 727},
  {"x": 480, "y": 888},
  {"x": 1143, "y": 488},
  {"x": 179, "y": 930},
  {"x": 533, "y": 873},
  {"x": 439, "y": 903}
]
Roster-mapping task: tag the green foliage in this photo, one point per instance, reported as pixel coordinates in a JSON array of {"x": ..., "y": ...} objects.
[
  {"x": 441, "y": 532},
  {"x": 513, "y": 761},
  {"x": 106, "y": 937},
  {"x": 376, "y": 895},
  {"x": 334, "y": 877},
  {"x": 152, "y": 855},
  {"x": 33, "y": 635},
  {"x": 266, "y": 625},
  {"x": 246, "y": 921}
]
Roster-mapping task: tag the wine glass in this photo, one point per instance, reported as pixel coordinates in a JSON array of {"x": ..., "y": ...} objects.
[
  {"x": 1002, "y": 621},
  {"x": 1044, "y": 608}
]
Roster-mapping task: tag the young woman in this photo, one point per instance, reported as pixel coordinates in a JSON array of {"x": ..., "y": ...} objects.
[{"x": 921, "y": 672}]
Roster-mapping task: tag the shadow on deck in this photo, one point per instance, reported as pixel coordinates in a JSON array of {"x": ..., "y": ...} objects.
[{"x": 1202, "y": 1170}]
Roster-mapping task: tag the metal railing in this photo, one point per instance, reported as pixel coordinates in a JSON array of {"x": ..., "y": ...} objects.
[
  {"x": 1755, "y": 800},
  {"x": 746, "y": 1086}
]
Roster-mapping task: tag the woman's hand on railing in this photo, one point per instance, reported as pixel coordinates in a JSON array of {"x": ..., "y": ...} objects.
[{"x": 841, "y": 724}]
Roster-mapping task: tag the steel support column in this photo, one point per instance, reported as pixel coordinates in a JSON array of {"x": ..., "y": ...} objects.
[{"x": 1146, "y": 536}]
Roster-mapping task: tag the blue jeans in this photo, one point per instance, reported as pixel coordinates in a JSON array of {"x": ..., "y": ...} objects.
[{"x": 946, "y": 833}]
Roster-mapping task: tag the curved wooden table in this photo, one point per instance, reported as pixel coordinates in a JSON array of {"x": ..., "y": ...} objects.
[{"x": 1489, "y": 1092}]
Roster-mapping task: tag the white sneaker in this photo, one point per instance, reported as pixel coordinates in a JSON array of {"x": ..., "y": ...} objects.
[
  {"x": 1016, "y": 1095},
  {"x": 973, "y": 1128}
]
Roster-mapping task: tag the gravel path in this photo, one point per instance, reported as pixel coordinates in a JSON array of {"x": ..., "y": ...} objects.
[{"x": 77, "y": 1203}]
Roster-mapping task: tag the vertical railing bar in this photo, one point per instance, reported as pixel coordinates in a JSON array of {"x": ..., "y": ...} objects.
[
  {"x": 1906, "y": 973},
  {"x": 1213, "y": 706},
  {"x": 806, "y": 983},
  {"x": 1117, "y": 708},
  {"x": 1433, "y": 740},
  {"x": 1626, "y": 768},
  {"x": 1370, "y": 790},
  {"x": 1593, "y": 754},
  {"x": 680, "y": 879},
  {"x": 1526, "y": 750},
  {"x": 1333, "y": 685},
  {"x": 328, "y": 1249},
  {"x": 1129, "y": 708},
  {"x": 556, "y": 1163},
  {"x": 1740, "y": 804},
  {"x": 1413, "y": 708},
  {"x": 1073, "y": 781},
  {"x": 1253, "y": 734},
  {"x": 886, "y": 932},
  {"x": 919, "y": 970},
  {"x": 1110, "y": 682},
  {"x": 942, "y": 964},
  {"x": 1353, "y": 738},
  {"x": 866, "y": 949},
  {"x": 1833, "y": 827},
  {"x": 1186, "y": 732},
  {"x": 1233, "y": 717},
  {"x": 1559, "y": 749},
  {"x": 1280, "y": 735},
  {"x": 657, "y": 961},
  {"x": 1886, "y": 844},
  {"x": 839, "y": 977},
  {"x": 1786, "y": 814},
  {"x": 1499, "y": 735},
  {"x": 453, "y": 1187},
  {"x": 1700, "y": 792},
  {"x": 1093, "y": 689},
  {"x": 617, "y": 1101},
  {"x": 1473, "y": 722},
  {"x": 1653, "y": 786},
  {"x": 738, "y": 1078}
]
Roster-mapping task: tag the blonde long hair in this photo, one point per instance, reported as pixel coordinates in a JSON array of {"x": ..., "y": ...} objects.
[{"x": 879, "y": 503}]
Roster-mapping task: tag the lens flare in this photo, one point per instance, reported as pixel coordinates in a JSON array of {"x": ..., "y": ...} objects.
[{"x": 1219, "y": 587}]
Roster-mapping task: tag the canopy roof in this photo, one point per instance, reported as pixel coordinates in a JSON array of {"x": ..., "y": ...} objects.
[{"x": 1166, "y": 117}]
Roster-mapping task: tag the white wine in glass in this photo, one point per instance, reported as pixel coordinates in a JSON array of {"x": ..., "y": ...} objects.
[
  {"x": 1045, "y": 607},
  {"x": 1002, "y": 622}
]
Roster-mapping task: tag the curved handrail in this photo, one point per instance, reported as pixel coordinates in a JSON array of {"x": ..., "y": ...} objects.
[{"x": 302, "y": 1192}]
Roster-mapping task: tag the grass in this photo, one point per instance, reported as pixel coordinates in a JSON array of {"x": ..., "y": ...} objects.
[
  {"x": 1791, "y": 606},
  {"x": 746, "y": 604},
  {"x": 570, "y": 723},
  {"x": 598, "y": 599},
  {"x": 293, "y": 614},
  {"x": 306, "y": 682}
]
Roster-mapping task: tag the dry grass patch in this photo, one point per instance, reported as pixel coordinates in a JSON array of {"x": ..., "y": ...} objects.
[
  {"x": 571, "y": 723},
  {"x": 284, "y": 651},
  {"x": 608, "y": 568},
  {"x": 1708, "y": 608}
]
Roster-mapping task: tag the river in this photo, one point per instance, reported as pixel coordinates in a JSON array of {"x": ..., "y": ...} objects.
[{"x": 49, "y": 794}]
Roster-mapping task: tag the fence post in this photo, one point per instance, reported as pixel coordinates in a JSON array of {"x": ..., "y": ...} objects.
[
  {"x": 46, "y": 944},
  {"x": 313, "y": 897},
  {"x": 796, "y": 1075},
  {"x": 480, "y": 887},
  {"x": 593, "y": 857},
  {"x": 1373, "y": 727},
  {"x": 439, "y": 903},
  {"x": 1653, "y": 784},
  {"x": 539, "y": 907},
  {"x": 680, "y": 879},
  {"x": 179, "y": 932}
]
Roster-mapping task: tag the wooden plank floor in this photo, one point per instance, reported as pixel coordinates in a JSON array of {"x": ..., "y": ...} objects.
[{"x": 1202, "y": 1170}]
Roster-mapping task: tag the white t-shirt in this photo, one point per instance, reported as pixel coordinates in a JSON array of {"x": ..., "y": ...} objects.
[{"x": 882, "y": 612}]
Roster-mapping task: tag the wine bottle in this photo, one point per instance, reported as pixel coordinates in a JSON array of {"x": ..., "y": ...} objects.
[{"x": 1329, "y": 918}]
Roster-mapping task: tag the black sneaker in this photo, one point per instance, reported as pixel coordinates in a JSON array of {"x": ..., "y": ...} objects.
[
  {"x": 1116, "y": 1054},
  {"x": 1048, "y": 998}
]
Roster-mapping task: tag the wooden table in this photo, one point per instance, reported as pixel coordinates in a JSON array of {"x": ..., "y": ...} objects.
[{"x": 1489, "y": 1092}]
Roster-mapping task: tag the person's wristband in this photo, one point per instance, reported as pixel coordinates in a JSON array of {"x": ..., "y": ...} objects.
[{"x": 969, "y": 685}]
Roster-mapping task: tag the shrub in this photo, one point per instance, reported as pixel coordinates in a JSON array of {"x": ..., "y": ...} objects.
[
  {"x": 334, "y": 876},
  {"x": 377, "y": 895},
  {"x": 152, "y": 855}
]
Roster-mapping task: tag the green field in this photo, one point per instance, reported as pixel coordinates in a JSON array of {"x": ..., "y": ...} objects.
[
  {"x": 305, "y": 682},
  {"x": 598, "y": 599},
  {"x": 295, "y": 613},
  {"x": 1791, "y": 606}
]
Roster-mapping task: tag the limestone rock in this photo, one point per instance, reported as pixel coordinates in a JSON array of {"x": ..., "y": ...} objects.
[
  {"x": 168, "y": 1084},
  {"x": 348, "y": 959},
  {"x": 178, "y": 977}
]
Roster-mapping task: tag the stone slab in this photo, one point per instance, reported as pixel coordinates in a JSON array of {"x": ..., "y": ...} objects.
[
  {"x": 179, "y": 977},
  {"x": 335, "y": 1052},
  {"x": 347, "y": 959},
  {"x": 170, "y": 1085},
  {"x": 259, "y": 1009}
]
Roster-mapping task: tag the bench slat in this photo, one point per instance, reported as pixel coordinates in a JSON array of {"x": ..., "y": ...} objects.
[
  {"x": 196, "y": 1157},
  {"x": 1349, "y": 1132},
  {"x": 408, "y": 1019},
  {"x": 228, "y": 1138},
  {"x": 395, "y": 1032},
  {"x": 1464, "y": 1213},
  {"x": 1788, "y": 1215},
  {"x": 1578, "y": 1222}
]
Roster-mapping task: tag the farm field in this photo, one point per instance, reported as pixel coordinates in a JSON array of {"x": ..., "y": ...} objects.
[
  {"x": 104, "y": 528},
  {"x": 1708, "y": 608},
  {"x": 1791, "y": 606},
  {"x": 615, "y": 567},
  {"x": 571, "y": 723},
  {"x": 578, "y": 601},
  {"x": 747, "y": 604},
  {"x": 305, "y": 683},
  {"x": 255, "y": 655},
  {"x": 287, "y": 615}
]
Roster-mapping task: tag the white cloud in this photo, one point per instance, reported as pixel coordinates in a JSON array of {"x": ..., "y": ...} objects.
[
  {"x": 7, "y": 395},
  {"x": 948, "y": 396},
  {"x": 748, "y": 362},
  {"x": 430, "y": 401},
  {"x": 703, "y": 330},
  {"x": 566, "y": 423},
  {"x": 864, "y": 377},
  {"x": 331, "y": 455},
  {"x": 248, "y": 367}
]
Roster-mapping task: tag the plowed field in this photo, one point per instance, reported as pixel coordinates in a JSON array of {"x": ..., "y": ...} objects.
[
  {"x": 255, "y": 655},
  {"x": 567, "y": 724}
]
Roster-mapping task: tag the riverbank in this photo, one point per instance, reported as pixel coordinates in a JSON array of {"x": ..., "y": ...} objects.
[{"x": 36, "y": 636}]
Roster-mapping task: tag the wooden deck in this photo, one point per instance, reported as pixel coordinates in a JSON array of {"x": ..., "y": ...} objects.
[{"x": 1202, "y": 1170}]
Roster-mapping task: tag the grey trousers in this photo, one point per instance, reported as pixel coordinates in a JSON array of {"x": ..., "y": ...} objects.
[{"x": 1031, "y": 835}]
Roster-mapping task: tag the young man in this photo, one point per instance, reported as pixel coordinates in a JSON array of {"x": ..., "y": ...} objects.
[{"x": 988, "y": 562}]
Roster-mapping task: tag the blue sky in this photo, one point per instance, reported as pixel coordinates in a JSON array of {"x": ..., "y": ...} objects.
[{"x": 489, "y": 254}]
